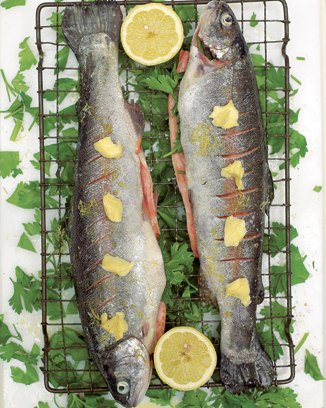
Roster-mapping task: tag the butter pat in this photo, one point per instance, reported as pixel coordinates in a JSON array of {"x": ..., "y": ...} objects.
[
  {"x": 113, "y": 207},
  {"x": 116, "y": 265},
  {"x": 239, "y": 289},
  {"x": 236, "y": 171},
  {"x": 116, "y": 326},
  {"x": 225, "y": 117},
  {"x": 108, "y": 149},
  {"x": 234, "y": 231}
]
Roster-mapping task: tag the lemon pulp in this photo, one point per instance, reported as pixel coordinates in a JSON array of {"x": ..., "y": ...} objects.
[
  {"x": 152, "y": 34},
  {"x": 184, "y": 358}
]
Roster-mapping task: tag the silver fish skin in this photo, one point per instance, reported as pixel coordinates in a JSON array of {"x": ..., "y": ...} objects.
[
  {"x": 93, "y": 33},
  {"x": 208, "y": 149}
]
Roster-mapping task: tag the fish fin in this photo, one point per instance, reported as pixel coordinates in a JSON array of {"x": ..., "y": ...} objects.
[
  {"x": 160, "y": 322},
  {"x": 206, "y": 293},
  {"x": 155, "y": 198},
  {"x": 240, "y": 377},
  {"x": 137, "y": 116},
  {"x": 149, "y": 205},
  {"x": 270, "y": 191},
  {"x": 99, "y": 17}
]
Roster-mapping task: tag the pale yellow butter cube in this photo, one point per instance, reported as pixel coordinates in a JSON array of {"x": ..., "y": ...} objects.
[
  {"x": 117, "y": 265},
  {"x": 116, "y": 326},
  {"x": 234, "y": 231},
  {"x": 226, "y": 116},
  {"x": 239, "y": 289},
  {"x": 108, "y": 149},
  {"x": 113, "y": 207},
  {"x": 236, "y": 171}
]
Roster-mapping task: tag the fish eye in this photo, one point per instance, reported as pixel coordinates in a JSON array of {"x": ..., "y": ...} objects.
[
  {"x": 123, "y": 387},
  {"x": 226, "y": 19}
]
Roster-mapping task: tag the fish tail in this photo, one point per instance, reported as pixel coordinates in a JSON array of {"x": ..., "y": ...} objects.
[
  {"x": 80, "y": 21},
  {"x": 238, "y": 378}
]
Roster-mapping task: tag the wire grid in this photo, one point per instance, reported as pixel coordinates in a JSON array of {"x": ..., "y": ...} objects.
[{"x": 59, "y": 356}]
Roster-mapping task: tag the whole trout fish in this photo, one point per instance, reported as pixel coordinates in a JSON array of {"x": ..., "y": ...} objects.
[
  {"x": 116, "y": 261},
  {"x": 230, "y": 187}
]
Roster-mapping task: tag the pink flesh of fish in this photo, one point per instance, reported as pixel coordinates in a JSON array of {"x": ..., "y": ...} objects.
[{"x": 178, "y": 159}]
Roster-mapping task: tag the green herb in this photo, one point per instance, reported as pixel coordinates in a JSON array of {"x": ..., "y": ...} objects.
[
  {"x": 274, "y": 105},
  {"x": 7, "y": 4},
  {"x": 311, "y": 367},
  {"x": 5, "y": 333},
  {"x": 27, "y": 58},
  {"x": 162, "y": 397},
  {"x": 277, "y": 243},
  {"x": 8, "y": 163},
  {"x": 25, "y": 243},
  {"x": 317, "y": 189},
  {"x": 89, "y": 401},
  {"x": 32, "y": 228},
  {"x": 186, "y": 12},
  {"x": 14, "y": 350},
  {"x": 273, "y": 397},
  {"x": 27, "y": 378},
  {"x": 304, "y": 338},
  {"x": 26, "y": 289},
  {"x": 197, "y": 399},
  {"x": 295, "y": 79},
  {"x": 253, "y": 23},
  {"x": 28, "y": 196},
  {"x": 42, "y": 405}
]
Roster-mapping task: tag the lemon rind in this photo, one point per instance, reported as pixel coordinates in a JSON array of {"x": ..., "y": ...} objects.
[
  {"x": 191, "y": 385},
  {"x": 179, "y": 30}
]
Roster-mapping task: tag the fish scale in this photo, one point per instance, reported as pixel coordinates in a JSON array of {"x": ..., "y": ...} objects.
[
  {"x": 124, "y": 360},
  {"x": 207, "y": 150}
]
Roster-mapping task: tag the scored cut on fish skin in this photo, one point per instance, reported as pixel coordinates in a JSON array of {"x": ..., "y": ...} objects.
[
  {"x": 207, "y": 150},
  {"x": 93, "y": 33}
]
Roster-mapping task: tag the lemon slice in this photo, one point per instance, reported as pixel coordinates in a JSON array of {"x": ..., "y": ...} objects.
[
  {"x": 152, "y": 34},
  {"x": 184, "y": 358}
]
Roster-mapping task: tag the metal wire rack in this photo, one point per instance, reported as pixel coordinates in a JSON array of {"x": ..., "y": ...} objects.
[{"x": 68, "y": 366}]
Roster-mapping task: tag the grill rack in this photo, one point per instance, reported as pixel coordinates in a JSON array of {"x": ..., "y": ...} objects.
[{"x": 284, "y": 370}]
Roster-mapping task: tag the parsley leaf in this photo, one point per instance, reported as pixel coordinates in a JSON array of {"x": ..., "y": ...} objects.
[
  {"x": 311, "y": 367},
  {"x": 27, "y": 289},
  {"x": 260, "y": 398},
  {"x": 5, "y": 333},
  {"x": 8, "y": 163},
  {"x": 161, "y": 397},
  {"x": 280, "y": 321},
  {"x": 196, "y": 399},
  {"x": 278, "y": 238},
  {"x": 42, "y": 405},
  {"x": 253, "y": 23},
  {"x": 14, "y": 350},
  {"x": 317, "y": 189},
  {"x": 28, "y": 196},
  {"x": 19, "y": 376},
  {"x": 32, "y": 228},
  {"x": 25, "y": 243},
  {"x": 27, "y": 58}
]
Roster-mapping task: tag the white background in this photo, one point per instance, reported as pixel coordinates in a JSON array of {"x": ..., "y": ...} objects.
[{"x": 306, "y": 212}]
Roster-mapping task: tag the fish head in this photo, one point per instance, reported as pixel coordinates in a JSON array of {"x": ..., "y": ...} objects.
[
  {"x": 220, "y": 33},
  {"x": 127, "y": 370}
]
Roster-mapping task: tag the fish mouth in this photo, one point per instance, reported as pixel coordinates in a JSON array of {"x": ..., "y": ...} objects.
[
  {"x": 139, "y": 393},
  {"x": 215, "y": 53}
]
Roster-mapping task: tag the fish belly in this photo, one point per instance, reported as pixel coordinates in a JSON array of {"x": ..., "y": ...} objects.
[{"x": 208, "y": 149}]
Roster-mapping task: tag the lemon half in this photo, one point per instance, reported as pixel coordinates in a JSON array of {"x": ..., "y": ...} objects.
[
  {"x": 152, "y": 33},
  {"x": 184, "y": 358}
]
